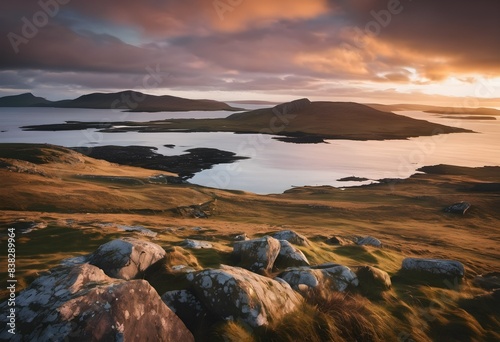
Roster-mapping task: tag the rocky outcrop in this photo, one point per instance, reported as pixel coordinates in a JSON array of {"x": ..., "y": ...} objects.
[
  {"x": 458, "y": 208},
  {"x": 203, "y": 210},
  {"x": 328, "y": 277},
  {"x": 257, "y": 255},
  {"x": 292, "y": 237},
  {"x": 436, "y": 267},
  {"x": 233, "y": 293},
  {"x": 126, "y": 258},
  {"x": 82, "y": 303},
  {"x": 372, "y": 280},
  {"x": 290, "y": 256},
  {"x": 187, "y": 307},
  {"x": 196, "y": 244},
  {"x": 368, "y": 241},
  {"x": 338, "y": 241}
]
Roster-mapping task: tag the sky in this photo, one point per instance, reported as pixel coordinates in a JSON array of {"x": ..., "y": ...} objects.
[{"x": 442, "y": 52}]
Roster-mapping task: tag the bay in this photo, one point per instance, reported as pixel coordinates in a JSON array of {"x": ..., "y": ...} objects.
[{"x": 273, "y": 166}]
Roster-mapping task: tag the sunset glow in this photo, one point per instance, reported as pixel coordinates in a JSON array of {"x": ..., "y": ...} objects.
[{"x": 369, "y": 51}]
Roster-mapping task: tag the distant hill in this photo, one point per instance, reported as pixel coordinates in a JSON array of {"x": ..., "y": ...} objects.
[
  {"x": 23, "y": 100},
  {"x": 436, "y": 109},
  {"x": 338, "y": 120},
  {"x": 125, "y": 100}
]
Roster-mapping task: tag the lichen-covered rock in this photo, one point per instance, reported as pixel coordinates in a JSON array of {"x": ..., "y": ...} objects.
[
  {"x": 290, "y": 256},
  {"x": 369, "y": 241},
  {"x": 126, "y": 258},
  {"x": 292, "y": 237},
  {"x": 372, "y": 280},
  {"x": 187, "y": 307},
  {"x": 437, "y": 267},
  {"x": 196, "y": 244},
  {"x": 257, "y": 255},
  {"x": 330, "y": 277},
  {"x": 233, "y": 293},
  {"x": 82, "y": 303}
]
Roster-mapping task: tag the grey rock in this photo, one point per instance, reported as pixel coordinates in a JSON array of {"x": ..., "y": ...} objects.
[
  {"x": 196, "y": 244},
  {"x": 292, "y": 237},
  {"x": 187, "y": 307},
  {"x": 82, "y": 303},
  {"x": 290, "y": 256},
  {"x": 369, "y": 241},
  {"x": 440, "y": 267},
  {"x": 458, "y": 208},
  {"x": 372, "y": 280},
  {"x": 329, "y": 278},
  {"x": 233, "y": 293},
  {"x": 257, "y": 255},
  {"x": 127, "y": 258}
]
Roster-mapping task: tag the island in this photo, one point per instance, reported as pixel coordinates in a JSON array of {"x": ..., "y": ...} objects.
[{"x": 300, "y": 121}]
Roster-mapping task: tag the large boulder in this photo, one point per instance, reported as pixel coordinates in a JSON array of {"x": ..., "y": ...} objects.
[
  {"x": 126, "y": 258},
  {"x": 292, "y": 237},
  {"x": 436, "y": 267},
  {"x": 372, "y": 280},
  {"x": 187, "y": 307},
  {"x": 233, "y": 293},
  {"x": 257, "y": 255},
  {"x": 290, "y": 256},
  {"x": 82, "y": 303},
  {"x": 329, "y": 277}
]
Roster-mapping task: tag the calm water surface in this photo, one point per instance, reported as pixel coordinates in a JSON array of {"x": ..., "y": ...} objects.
[{"x": 273, "y": 166}]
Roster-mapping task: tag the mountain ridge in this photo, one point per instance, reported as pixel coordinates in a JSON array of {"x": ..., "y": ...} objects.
[{"x": 127, "y": 100}]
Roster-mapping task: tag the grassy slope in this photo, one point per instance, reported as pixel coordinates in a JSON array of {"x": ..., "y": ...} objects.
[{"x": 406, "y": 216}]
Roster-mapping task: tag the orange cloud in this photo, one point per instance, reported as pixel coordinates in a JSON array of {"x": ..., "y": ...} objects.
[{"x": 235, "y": 15}]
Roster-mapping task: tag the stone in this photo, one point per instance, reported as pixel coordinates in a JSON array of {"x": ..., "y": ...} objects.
[
  {"x": 236, "y": 294},
  {"x": 126, "y": 258},
  {"x": 292, "y": 237},
  {"x": 257, "y": 255},
  {"x": 241, "y": 237},
  {"x": 458, "y": 208},
  {"x": 82, "y": 303},
  {"x": 337, "y": 240},
  {"x": 203, "y": 210},
  {"x": 438, "y": 267},
  {"x": 329, "y": 278},
  {"x": 372, "y": 280},
  {"x": 290, "y": 256},
  {"x": 196, "y": 244},
  {"x": 187, "y": 307},
  {"x": 368, "y": 241}
]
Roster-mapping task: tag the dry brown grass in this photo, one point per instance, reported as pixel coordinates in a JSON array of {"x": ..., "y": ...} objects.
[{"x": 407, "y": 217}]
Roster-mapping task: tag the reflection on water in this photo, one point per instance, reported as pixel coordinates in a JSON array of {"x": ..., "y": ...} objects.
[{"x": 274, "y": 166}]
